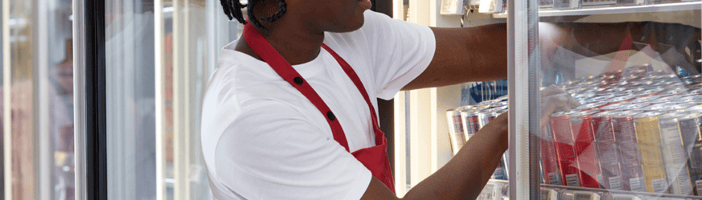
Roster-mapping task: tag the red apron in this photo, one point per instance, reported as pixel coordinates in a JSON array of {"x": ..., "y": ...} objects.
[{"x": 374, "y": 158}]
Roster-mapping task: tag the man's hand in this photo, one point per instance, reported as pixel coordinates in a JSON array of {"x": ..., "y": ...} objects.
[{"x": 555, "y": 99}]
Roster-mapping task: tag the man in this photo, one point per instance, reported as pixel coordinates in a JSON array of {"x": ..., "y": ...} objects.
[{"x": 290, "y": 111}]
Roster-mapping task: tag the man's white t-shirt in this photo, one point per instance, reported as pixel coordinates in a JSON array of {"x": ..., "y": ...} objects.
[{"x": 262, "y": 139}]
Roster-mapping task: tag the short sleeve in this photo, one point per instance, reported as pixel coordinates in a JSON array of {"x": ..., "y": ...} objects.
[
  {"x": 272, "y": 151},
  {"x": 401, "y": 51}
]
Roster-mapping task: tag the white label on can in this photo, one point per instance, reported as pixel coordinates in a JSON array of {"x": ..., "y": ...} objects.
[
  {"x": 636, "y": 184},
  {"x": 659, "y": 185},
  {"x": 698, "y": 183},
  {"x": 553, "y": 178},
  {"x": 487, "y": 192},
  {"x": 572, "y": 180},
  {"x": 615, "y": 183},
  {"x": 681, "y": 185}
]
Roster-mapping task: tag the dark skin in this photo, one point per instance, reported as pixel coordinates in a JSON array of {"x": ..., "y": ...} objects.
[{"x": 462, "y": 55}]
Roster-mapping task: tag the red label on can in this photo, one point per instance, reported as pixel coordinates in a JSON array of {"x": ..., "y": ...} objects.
[
  {"x": 562, "y": 134},
  {"x": 549, "y": 159},
  {"x": 585, "y": 151}
]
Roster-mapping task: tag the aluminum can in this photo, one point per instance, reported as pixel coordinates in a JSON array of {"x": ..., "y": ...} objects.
[
  {"x": 650, "y": 92},
  {"x": 585, "y": 149},
  {"x": 630, "y": 164},
  {"x": 694, "y": 109},
  {"x": 655, "y": 107},
  {"x": 471, "y": 122},
  {"x": 614, "y": 107},
  {"x": 674, "y": 154},
  {"x": 692, "y": 79},
  {"x": 667, "y": 99},
  {"x": 689, "y": 99},
  {"x": 621, "y": 99},
  {"x": 637, "y": 106},
  {"x": 648, "y": 137},
  {"x": 674, "y": 107},
  {"x": 689, "y": 126},
  {"x": 592, "y": 106},
  {"x": 563, "y": 137},
  {"x": 456, "y": 134},
  {"x": 647, "y": 99},
  {"x": 597, "y": 99},
  {"x": 486, "y": 116},
  {"x": 500, "y": 173},
  {"x": 607, "y": 150},
  {"x": 549, "y": 158},
  {"x": 674, "y": 92}
]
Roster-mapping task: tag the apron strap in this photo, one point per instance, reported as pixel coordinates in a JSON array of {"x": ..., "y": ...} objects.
[
  {"x": 357, "y": 81},
  {"x": 289, "y": 74}
]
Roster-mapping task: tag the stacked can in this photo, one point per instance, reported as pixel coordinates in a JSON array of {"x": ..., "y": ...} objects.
[
  {"x": 607, "y": 150},
  {"x": 455, "y": 126},
  {"x": 674, "y": 153},
  {"x": 648, "y": 138},
  {"x": 466, "y": 121},
  {"x": 548, "y": 158},
  {"x": 585, "y": 148},
  {"x": 625, "y": 135},
  {"x": 564, "y": 142}
]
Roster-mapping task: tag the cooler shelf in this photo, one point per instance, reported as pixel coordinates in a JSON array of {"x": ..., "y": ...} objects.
[{"x": 623, "y": 9}]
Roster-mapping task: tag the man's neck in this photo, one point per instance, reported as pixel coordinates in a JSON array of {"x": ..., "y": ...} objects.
[{"x": 295, "y": 43}]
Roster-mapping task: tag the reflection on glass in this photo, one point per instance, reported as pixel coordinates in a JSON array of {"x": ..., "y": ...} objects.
[
  {"x": 620, "y": 105},
  {"x": 40, "y": 101},
  {"x": 160, "y": 55}
]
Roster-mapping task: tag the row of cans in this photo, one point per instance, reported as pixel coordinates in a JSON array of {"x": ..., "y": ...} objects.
[
  {"x": 466, "y": 121},
  {"x": 637, "y": 131}
]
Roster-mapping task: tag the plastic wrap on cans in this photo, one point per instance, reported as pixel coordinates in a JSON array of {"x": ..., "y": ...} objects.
[
  {"x": 563, "y": 137},
  {"x": 602, "y": 99},
  {"x": 614, "y": 107},
  {"x": 549, "y": 158},
  {"x": 488, "y": 115},
  {"x": 647, "y": 99},
  {"x": 649, "y": 140},
  {"x": 674, "y": 92},
  {"x": 689, "y": 126},
  {"x": 630, "y": 164},
  {"x": 585, "y": 148},
  {"x": 456, "y": 134},
  {"x": 696, "y": 99},
  {"x": 607, "y": 150},
  {"x": 471, "y": 122},
  {"x": 674, "y": 154},
  {"x": 667, "y": 99},
  {"x": 637, "y": 106},
  {"x": 592, "y": 106},
  {"x": 621, "y": 99},
  {"x": 649, "y": 92}
]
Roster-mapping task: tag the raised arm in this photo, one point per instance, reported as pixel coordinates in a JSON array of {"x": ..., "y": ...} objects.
[
  {"x": 464, "y": 176},
  {"x": 464, "y": 55}
]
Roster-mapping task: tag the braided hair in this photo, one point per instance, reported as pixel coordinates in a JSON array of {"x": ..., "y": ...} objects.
[{"x": 232, "y": 8}]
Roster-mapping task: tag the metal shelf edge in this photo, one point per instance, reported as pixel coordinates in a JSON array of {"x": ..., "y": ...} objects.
[{"x": 624, "y": 9}]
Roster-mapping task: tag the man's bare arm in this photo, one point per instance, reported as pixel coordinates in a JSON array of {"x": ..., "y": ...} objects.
[
  {"x": 465, "y": 175},
  {"x": 465, "y": 55}
]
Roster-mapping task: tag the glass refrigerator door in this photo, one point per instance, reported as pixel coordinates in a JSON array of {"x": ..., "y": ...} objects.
[
  {"x": 614, "y": 99},
  {"x": 426, "y": 132}
]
